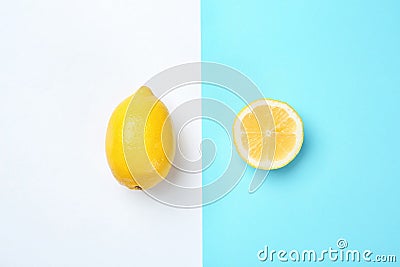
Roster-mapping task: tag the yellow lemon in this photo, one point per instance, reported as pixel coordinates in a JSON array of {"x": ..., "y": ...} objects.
[
  {"x": 268, "y": 134},
  {"x": 140, "y": 141}
]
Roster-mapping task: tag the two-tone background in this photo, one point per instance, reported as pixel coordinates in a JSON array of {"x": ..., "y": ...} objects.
[{"x": 64, "y": 66}]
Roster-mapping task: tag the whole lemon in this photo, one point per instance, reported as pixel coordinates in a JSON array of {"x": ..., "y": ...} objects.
[{"x": 140, "y": 141}]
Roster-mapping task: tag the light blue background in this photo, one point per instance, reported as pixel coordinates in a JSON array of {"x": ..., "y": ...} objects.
[{"x": 338, "y": 63}]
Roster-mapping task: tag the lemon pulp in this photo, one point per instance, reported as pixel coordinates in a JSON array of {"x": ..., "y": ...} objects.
[{"x": 268, "y": 134}]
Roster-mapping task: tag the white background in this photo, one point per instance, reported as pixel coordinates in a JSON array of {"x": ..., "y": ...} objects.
[{"x": 64, "y": 66}]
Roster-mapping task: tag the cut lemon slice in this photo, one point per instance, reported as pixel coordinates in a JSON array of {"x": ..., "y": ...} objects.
[{"x": 268, "y": 134}]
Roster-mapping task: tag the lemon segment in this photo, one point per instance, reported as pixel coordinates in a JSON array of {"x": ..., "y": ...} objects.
[{"x": 268, "y": 134}]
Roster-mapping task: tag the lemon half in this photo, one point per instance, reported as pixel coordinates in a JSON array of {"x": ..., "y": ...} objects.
[
  {"x": 140, "y": 141},
  {"x": 268, "y": 134}
]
